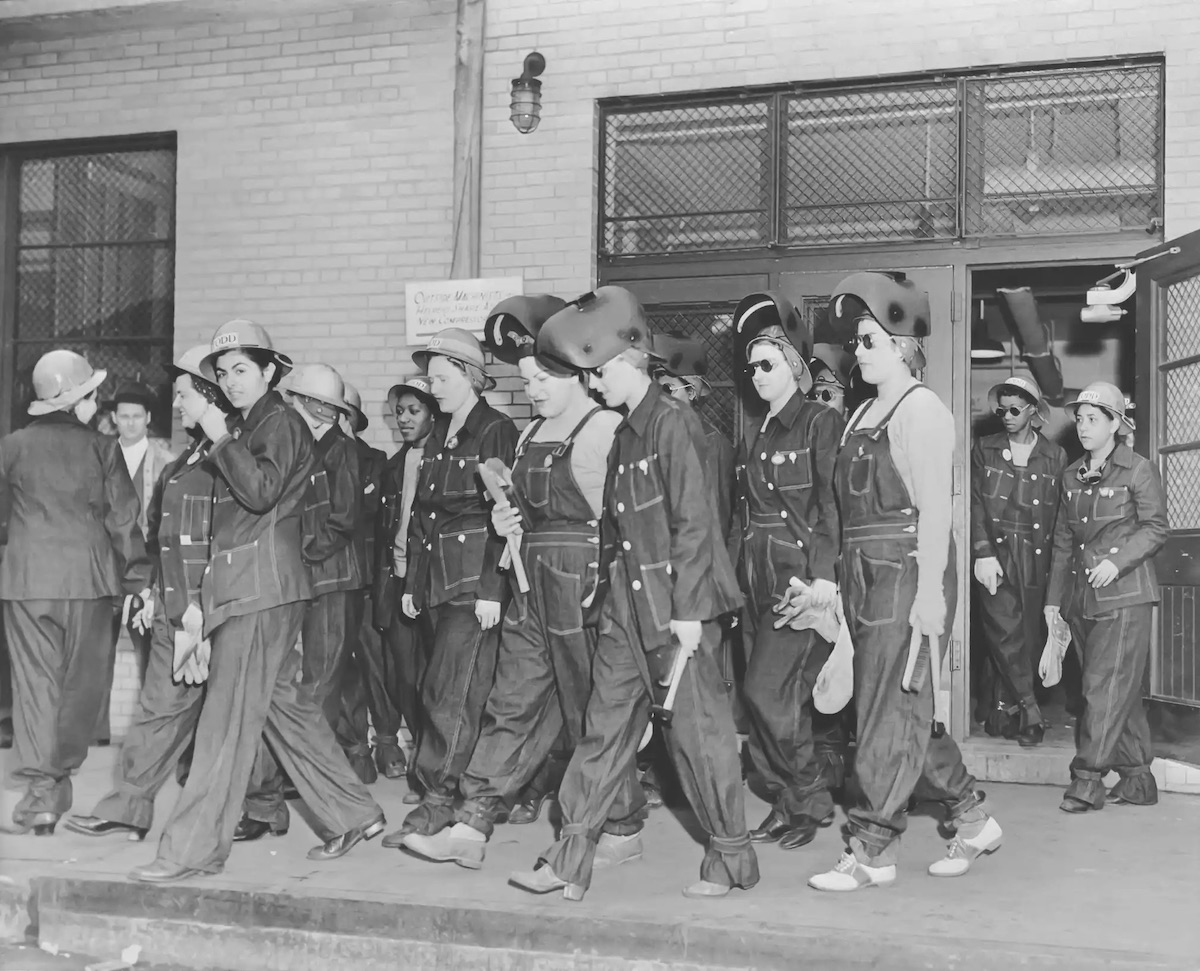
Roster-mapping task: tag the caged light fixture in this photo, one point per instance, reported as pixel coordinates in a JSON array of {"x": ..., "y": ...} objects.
[{"x": 527, "y": 94}]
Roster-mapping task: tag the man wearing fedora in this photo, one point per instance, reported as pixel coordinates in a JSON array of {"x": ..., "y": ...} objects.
[
  {"x": 73, "y": 546},
  {"x": 1014, "y": 496},
  {"x": 145, "y": 458},
  {"x": 327, "y": 524}
]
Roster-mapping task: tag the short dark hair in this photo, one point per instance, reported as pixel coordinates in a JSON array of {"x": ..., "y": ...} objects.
[{"x": 261, "y": 358}]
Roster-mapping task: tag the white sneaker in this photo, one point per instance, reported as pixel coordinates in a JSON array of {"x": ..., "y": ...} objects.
[
  {"x": 850, "y": 875},
  {"x": 960, "y": 853}
]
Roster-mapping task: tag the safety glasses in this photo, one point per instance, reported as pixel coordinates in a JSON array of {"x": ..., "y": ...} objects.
[
  {"x": 868, "y": 341},
  {"x": 766, "y": 366},
  {"x": 826, "y": 395},
  {"x": 1012, "y": 411}
]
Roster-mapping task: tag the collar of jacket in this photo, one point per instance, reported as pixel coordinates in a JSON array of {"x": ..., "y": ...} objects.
[
  {"x": 788, "y": 413},
  {"x": 58, "y": 418},
  {"x": 639, "y": 418},
  {"x": 472, "y": 426},
  {"x": 264, "y": 406},
  {"x": 1122, "y": 455},
  {"x": 322, "y": 445}
]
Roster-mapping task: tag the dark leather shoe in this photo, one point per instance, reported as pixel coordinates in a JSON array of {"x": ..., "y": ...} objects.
[
  {"x": 162, "y": 872},
  {"x": 389, "y": 759},
  {"x": 802, "y": 832},
  {"x": 771, "y": 829},
  {"x": 249, "y": 830},
  {"x": 341, "y": 845},
  {"x": 95, "y": 826},
  {"x": 364, "y": 767},
  {"x": 528, "y": 811},
  {"x": 1031, "y": 736}
]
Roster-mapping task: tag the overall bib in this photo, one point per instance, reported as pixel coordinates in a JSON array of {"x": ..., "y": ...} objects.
[
  {"x": 879, "y": 586},
  {"x": 544, "y": 669}
]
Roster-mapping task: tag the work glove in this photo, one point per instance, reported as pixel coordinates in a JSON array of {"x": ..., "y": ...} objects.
[
  {"x": 988, "y": 573},
  {"x": 1102, "y": 574},
  {"x": 1057, "y": 641},
  {"x": 834, "y": 686},
  {"x": 143, "y": 619},
  {"x": 193, "y": 621},
  {"x": 929, "y": 612}
]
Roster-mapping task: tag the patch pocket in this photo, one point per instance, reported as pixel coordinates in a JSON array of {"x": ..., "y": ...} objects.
[
  {"x": 1112, "y": 502},
  {"x": 562, "y": 600},
  {"x": 461, "y": 556},
  {"x": 645, "y": 487},
  {"x": 1123, "y": 587},
  {"x": 792, "y": 469},
  {"x": 194, "y": 520},
  {"x": 235, "y": 575},
  {"x": 459, "y": 475},
  {"x": 656, "y": 578},
  {"x": 880, "y": 585},
  {"x": 862, "y": 471},
  {"x": 784, "y": 561},
  {"x": 1035, "y": 488},
  {"x": 537, "y": 486},
  {"x": 997, "y": 483}
]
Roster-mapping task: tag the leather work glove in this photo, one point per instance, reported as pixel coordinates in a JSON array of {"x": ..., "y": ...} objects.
[
  {"x": 409, "y": 608},
  {"x": 193, "y": 621},
  {"x": 988, "y": 573},
  {"x": 1102, "y": 574},
  {"x": 928, "y": 613},
  {"x": 487, "y": 612},
  {"x": 824, "y": 594}
]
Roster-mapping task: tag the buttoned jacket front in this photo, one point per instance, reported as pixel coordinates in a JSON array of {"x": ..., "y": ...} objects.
[
  {"x": 1013, "y": 509},
  {"x": 262, "y": 471},
  {"x": 331, "y": 512},
  {"x": 660, "y": 519},
  {"x": 788, "y": 504},
  {"x": 370, "y": 475},
  {"x": 1122, "y": 518},
  {"x": 179, "y": 521},
  {"x": 71, "y": 514},
  {"x": 453, "y": 555}
]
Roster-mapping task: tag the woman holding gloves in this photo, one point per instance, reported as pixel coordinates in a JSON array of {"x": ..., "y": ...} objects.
[
  {"x": 178, "y": 521},
  {"x": 894, "y": 489},
  {"x": 454, "y": 571},
  {"x": 1112, "y": 519},
  {"x": 543, "y": 675},
  {"x": 790, "y": 515}
]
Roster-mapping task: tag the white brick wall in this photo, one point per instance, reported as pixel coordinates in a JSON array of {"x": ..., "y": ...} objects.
[{"x": 315, "y": 148}]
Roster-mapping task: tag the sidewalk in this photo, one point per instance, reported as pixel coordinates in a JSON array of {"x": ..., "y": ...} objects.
[{"x": 1065, "y": 891}]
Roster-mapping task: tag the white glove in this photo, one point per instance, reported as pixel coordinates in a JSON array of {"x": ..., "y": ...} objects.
[
  {"x": 143, "y": 620},
  {"x": 1051, "y": 664},
  {"x": 487, "y": 612},
  {"x": 687, "y": 632},
  {"x": 193, "y": 621},
  {"x": 835, "y": 684},
  {"x": 824, "y": 594},
  {"x": 409, "y": 608},
  {"x": 988, "y": 573}
]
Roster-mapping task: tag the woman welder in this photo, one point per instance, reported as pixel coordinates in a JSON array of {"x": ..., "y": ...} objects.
[
  {"x": 255, "y": 594},
  {"x": 454, "y": 572},
  {"x": 664, "y": 579},
  {"x": 831, "y": 366},
  {"x": 790, "y": 516},
  {"x": 894, "y": 486},
  {"x": 543, "y": 674},
  {"x": 177, "y": 539},
  {"x": 1112, "y": 519}
]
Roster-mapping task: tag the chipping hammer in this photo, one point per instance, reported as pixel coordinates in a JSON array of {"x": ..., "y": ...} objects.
[
  {"x": 665, "y": 713},
  {"x": 914, "y": 680}
]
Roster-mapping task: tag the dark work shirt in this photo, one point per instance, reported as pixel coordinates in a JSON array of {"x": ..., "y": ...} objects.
[{"x": 331, "y": 511}]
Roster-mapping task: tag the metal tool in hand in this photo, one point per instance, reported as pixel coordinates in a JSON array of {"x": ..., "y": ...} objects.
[
  {"x": 911, "y": 681},
  {"x": 665, "y": 713},
  {"x": 497, "y": 480}
]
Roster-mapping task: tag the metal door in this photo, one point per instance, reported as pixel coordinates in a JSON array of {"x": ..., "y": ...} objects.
[
  {"x": 945, "y": 352},
  {"x": 1168, "y": 415}
]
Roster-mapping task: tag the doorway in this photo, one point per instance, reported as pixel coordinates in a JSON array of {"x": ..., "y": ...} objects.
[{"x": 1085, "y": 352}]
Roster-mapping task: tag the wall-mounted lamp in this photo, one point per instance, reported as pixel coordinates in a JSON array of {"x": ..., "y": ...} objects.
[
  {"x": 1102, "y": 298},
  {"x": 527, "y": 94}
]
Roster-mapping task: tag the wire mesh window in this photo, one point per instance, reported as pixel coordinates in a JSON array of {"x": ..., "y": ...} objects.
[
  {"x": 95, "y": 266},
  {"x": 1180, "y": 453},
  {"x": 695, "y": 177},
  {"x": 1064, "y": 153},
  {"x": 871, "y": 165},
  {"x": 713, "y": 326},
  {"x": 1049, "y": 152}
]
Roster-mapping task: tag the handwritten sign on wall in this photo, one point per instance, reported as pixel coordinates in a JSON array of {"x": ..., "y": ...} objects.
[{"x": 439, "y": 304}]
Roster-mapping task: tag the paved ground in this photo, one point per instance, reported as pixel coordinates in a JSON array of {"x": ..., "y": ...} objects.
[{"x": 1124, "y": 879}]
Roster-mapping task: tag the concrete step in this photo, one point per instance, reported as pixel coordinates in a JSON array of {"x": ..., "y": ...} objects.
[{"x": 205, "y": 928}]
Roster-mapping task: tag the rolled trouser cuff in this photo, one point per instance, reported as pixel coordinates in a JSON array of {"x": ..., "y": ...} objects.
[
  {"x": 480, "y": 814},
  {"x": 730, "y": 861}
]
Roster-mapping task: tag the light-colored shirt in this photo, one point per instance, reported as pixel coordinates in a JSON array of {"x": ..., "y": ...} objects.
[
  {"x": 408, "y": 492},
  {"x": 1021, "y": 453},
  {"x": 589, "y": 455},
  {"x": 134, "y": 455}
]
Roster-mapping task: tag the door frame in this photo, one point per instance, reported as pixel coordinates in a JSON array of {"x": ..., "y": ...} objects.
[{"x": 690, "y": 278}]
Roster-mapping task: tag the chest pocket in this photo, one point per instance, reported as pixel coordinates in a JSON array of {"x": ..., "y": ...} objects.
[
  {"x": 645, "y": 486},
  {"x": 997, "y": 483},
  {"x": 1035, "y": 489},
  {"x": 536, "y": 485},
  {"x": 194, "y": 519},
  {"x": 1112, "y": 503},
  {"x": 791, "y": 469},
  {"x": 861, "y": 473},
  {"x": 458, "y": 475}
]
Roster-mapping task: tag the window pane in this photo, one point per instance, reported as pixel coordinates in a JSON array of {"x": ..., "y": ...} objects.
[
  {"x": 714, "y": 329},
  {"x": 871, "y": 165},
  {"x": 1067, "y": 152},
  {"x": 1183, "y": 321},
  {"x": 694, "y": 177}
]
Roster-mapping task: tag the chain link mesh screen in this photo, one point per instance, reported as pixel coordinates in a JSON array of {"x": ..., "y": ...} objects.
[
  {"x": 871, "y": 165},
  {"x": 695, "y": 177},
  {"x": 1183, "y": 321},
  {"x": 714, "y": 328},
  {"x": 1069, "y": 152},
  {"x": 96, "y": 266}
]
